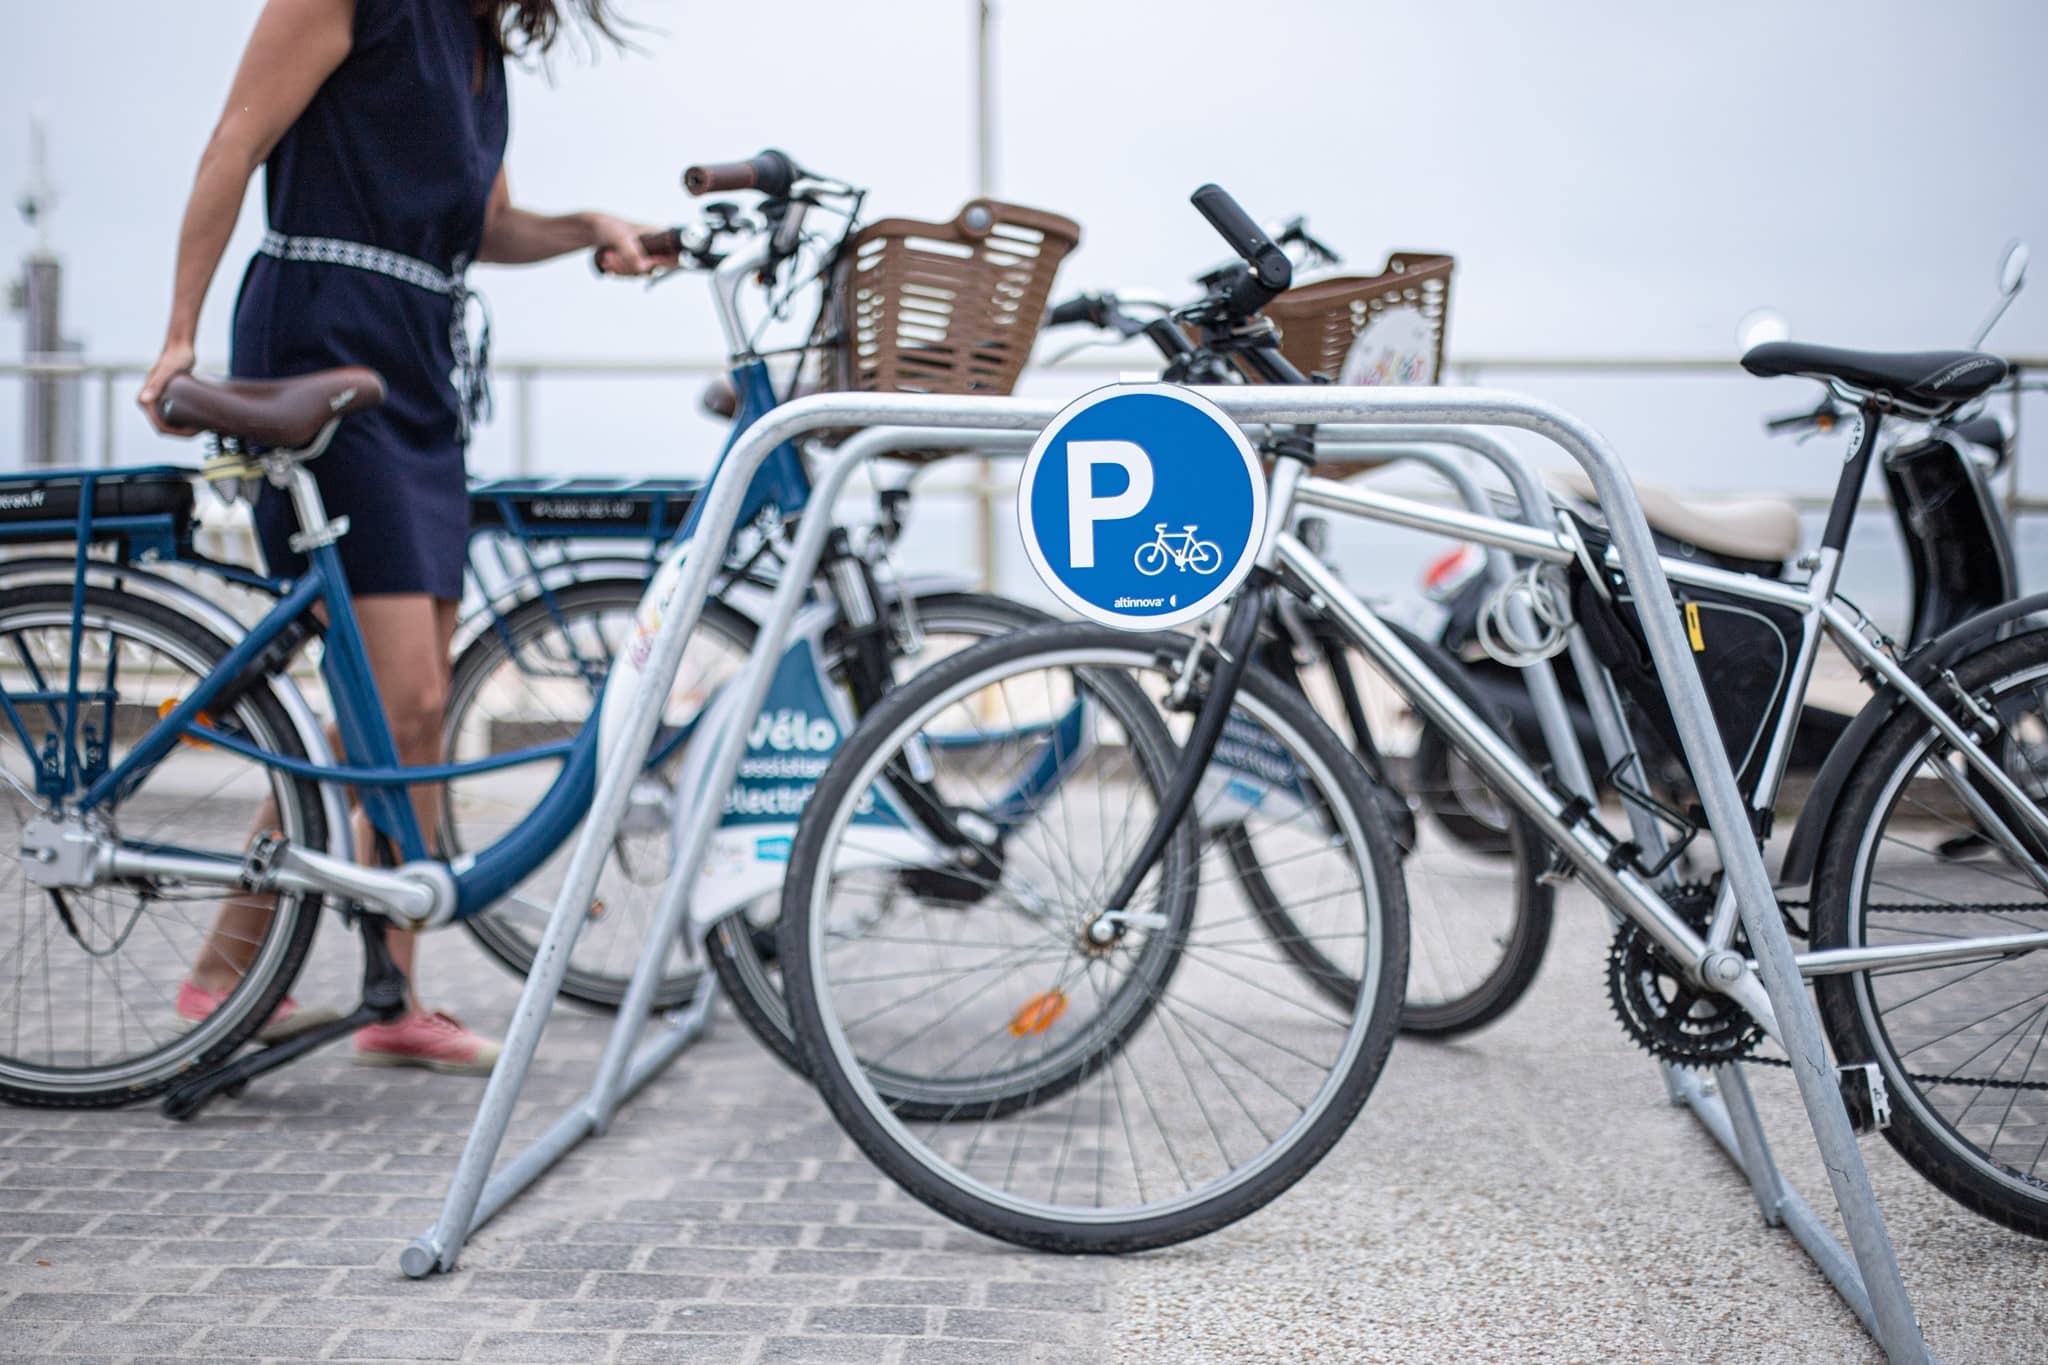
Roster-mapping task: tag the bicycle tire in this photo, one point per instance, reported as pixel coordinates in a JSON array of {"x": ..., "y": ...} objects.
[
  {"x": 1862, "y": 1017},
  {"x": 742, "y": 949},
  {"x": 1367, "y": 1031},
  {"x": 616, "y": 938},
  {"x": 1442, "y": 999},
  {"x": 262, "y": 720}
]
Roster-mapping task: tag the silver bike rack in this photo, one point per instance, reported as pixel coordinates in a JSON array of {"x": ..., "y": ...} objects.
[
  {"x": 1721, "y": 1099},
  {"x": 475, "y": 1195}
]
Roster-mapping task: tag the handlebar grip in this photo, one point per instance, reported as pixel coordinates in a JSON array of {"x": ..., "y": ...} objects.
[
  {"x": 1821, "y": 418},
  {"x": 1266, "y": 271},
  {"x": 1269, "y": 263},
  {"x": 667, "y": 242},
  {"x": 772, "y": 173},
  {"x": 1080, "y": 308}
]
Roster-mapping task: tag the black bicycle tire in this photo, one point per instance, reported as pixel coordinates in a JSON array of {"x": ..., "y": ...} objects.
[
  {"x": 1857, "y": 1038},
  {"x": 252, "y": 1008},
  {"x": 1488, "y": 1000},
  {"x": 1102, "y": 1237},
  {"x": 502, "y": 941},
  {"x": 734, "y": 946}
]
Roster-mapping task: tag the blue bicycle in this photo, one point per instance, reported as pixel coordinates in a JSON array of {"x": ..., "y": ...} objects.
[{"x": 142, "y": 739}]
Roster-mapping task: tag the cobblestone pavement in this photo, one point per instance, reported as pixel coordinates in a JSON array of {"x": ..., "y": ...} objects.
[{"x": 1522, "y": 1195}]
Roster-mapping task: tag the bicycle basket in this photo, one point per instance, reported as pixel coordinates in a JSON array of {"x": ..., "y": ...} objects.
[
  {"x": 948, "y": 308},
  {"x": 1381, "y": 329}
]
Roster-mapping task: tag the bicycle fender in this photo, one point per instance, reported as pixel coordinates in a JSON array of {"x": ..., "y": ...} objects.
[
  {"x": 165, "y": 591},
  {"x": 1802, "y": 851},
  {"x": 631, "y": 664}
]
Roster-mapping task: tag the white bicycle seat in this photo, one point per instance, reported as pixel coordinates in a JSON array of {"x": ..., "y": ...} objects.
[{"x": 1748, "y": 528}]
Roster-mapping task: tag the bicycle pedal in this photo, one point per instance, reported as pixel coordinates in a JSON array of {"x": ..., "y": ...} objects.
[{"x": 1866, "y": 1098}]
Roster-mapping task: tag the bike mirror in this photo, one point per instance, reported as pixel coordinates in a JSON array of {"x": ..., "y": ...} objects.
[
  {"x": 2012, "y": 271},
  {"x": 1758, "y": 326}
]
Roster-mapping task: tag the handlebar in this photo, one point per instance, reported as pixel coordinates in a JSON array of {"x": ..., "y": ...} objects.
[
  {"x": 1821, "y": 419},
  {"x": 772, "y": 173},
  {"x": 1267, "y": 270},
  {"x": 1081, "y": 308},
  {"x": 1294, "y": 232},
  {"x": 666, "y": 242}
]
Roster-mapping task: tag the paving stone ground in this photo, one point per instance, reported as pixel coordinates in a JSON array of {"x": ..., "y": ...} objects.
[{"x": 1522, "y": 1195}]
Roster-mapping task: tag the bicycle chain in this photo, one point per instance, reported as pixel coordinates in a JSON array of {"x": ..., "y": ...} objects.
[{"x": 1919, "y": 1077}]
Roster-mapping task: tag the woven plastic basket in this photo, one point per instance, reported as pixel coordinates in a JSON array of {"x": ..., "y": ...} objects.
[
  {"x": 1380, "y": 329},
  {"x": 948, "y": 307}
]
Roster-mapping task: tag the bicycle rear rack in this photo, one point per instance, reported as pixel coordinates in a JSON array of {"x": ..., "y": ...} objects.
[{"x": 1868, "y": 1277}]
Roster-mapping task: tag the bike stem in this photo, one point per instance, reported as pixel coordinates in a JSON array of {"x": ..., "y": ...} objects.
[{"x": 1235, "y": 648}]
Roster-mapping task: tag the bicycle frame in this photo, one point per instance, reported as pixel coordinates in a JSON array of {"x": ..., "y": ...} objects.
[
  {"x": 1592, "y": 850},
  {"x": 372, "y": 765}
]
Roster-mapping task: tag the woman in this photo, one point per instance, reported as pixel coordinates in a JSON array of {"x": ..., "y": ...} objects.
[{"x": 380, "y": 125}]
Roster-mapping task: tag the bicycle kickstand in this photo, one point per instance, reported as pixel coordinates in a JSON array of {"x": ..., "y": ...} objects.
[{"x": 385, "y": 992}]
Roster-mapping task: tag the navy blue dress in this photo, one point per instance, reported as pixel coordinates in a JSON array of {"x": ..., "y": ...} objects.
[{"x": 399, "y": 150}]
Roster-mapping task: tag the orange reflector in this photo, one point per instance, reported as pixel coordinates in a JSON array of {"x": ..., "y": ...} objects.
[
  {"x": 597, "y": 909},
  {"x": 170, "y": 704},
  {"x": 1038, "y": 1014}
]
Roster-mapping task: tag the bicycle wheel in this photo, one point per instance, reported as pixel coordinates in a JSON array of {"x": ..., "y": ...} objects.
[
  {"x": 532, "y": 678},
  {"x": 743, "y": 947},
  {"x": 1963, "y": 1048},
  {"x": 1458, "y": 797},
  {"x": 1151, "y": 559},
  {"x": 89, "y": 978},
  {"x": 1478, "y": 926},
  {"x": 1118, "y": 1094},
  {"x": 1205, "y": 556}
]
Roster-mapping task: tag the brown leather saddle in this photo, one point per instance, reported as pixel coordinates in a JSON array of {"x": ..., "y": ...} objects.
[{"x": 270, "y": 412}]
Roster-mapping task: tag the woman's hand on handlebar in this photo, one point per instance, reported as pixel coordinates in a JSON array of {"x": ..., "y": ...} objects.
[
  {"x": 175, "y": 360},
  {"x": 624, "y": 248}
]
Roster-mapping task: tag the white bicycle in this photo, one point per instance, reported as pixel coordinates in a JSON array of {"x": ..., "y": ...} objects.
[{"x": 1181, "y": 549}]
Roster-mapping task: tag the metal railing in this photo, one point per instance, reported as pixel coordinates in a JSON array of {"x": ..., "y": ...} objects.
[{"x": 516, "y": 381}]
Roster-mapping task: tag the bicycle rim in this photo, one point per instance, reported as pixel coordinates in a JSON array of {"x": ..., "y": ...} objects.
[
  {"x": 89, "y": 989},
  {"x": 1171, "y": 1119}
]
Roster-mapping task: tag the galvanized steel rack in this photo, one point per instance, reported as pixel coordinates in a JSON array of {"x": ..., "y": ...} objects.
[{"x": 1868, "y": 1277}]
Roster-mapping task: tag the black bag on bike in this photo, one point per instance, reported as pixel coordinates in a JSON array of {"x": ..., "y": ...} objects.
[{"x": 1744, "y": 649}]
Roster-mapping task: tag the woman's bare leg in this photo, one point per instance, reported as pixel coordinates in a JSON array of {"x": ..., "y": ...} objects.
[{"x": 406, "y": 636}]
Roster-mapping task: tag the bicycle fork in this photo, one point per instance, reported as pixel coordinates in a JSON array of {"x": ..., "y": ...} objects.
[{"x": 1240, "y": 630}]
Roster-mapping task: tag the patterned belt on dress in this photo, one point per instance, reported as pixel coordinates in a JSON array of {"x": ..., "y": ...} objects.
[{"x": 472, "y": 374}]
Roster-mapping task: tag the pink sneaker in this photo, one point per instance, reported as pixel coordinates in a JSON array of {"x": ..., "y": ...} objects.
[
  {"x": 196, "y": 1004},
  {"x": 428, "y": 1038}
]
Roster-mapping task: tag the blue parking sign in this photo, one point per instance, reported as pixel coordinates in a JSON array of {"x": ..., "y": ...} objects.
[{"x": 1142, "y": 506}]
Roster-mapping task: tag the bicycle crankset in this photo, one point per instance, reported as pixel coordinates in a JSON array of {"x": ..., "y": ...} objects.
[{"x": 1667, "y": 1014}]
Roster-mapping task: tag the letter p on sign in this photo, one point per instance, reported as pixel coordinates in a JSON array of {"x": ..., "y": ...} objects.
[{"x": 1084, "y": 508}]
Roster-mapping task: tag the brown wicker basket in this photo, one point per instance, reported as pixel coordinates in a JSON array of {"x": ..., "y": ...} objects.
[
  {"x": 947, "y": 307},
  {"x": 1400, "y": 313}
]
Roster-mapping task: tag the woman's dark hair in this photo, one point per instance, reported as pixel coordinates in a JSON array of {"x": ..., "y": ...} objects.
[{"x": 530, "y": 27}]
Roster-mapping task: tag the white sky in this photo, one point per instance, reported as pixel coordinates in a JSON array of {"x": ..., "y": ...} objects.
[{"x": 1615, "y": 178}]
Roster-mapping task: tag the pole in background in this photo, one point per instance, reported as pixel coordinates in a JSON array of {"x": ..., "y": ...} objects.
[
  {"x": 984, "y": 187},
  {"x": 50, "y": 418}
]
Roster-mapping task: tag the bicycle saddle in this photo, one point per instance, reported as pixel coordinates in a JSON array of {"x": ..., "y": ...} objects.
[
  {"x": 1926, "y": 379},
  {"x": 270, "y": 412},
  {"x": 1746, "y": 528}
]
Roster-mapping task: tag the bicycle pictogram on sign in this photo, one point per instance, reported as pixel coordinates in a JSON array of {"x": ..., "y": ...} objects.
[{"x": 1181, "y": 550}]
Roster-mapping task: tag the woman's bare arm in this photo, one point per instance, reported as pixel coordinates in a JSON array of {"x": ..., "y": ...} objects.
[
  {"x": 516, "y": 236},
  {"x": 295, "y": 47}
]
